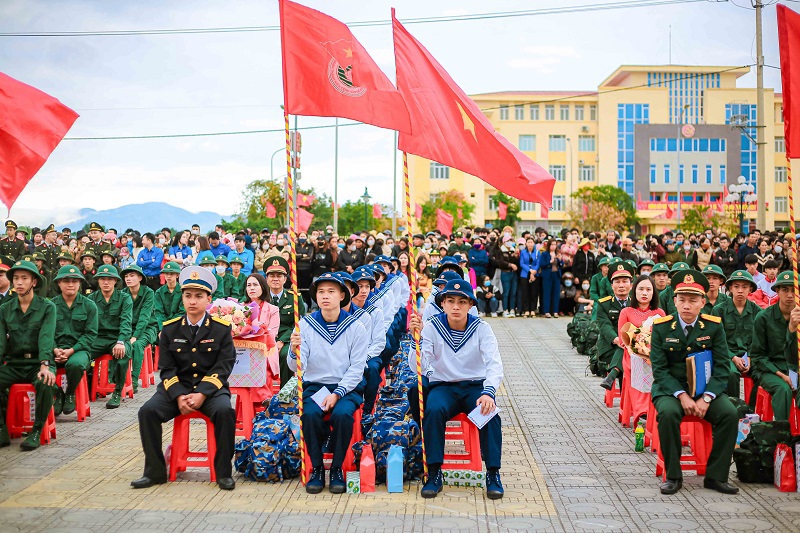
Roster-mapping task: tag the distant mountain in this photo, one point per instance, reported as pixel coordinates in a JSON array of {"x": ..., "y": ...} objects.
[{"x": 150, "y": 216}]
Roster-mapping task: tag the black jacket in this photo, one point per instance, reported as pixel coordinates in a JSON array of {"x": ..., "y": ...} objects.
[{"x": 584, "y": 265}]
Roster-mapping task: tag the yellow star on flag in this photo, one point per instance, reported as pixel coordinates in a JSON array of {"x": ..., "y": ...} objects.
[
  {"x": 348, "y": 52},
  {"x": 468, "y": 124}
]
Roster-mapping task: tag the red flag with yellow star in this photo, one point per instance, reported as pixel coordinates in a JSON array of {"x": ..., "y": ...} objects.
[
  {"x": 327, "y": 73},
  {"x": 448, "y": 127}
]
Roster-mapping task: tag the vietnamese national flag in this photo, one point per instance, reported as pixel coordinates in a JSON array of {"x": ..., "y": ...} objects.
[
  {"x": 377, "y": 212},
  {"x": 789, "y": 42},
  {"x": 327, "y": 73},
  {"x": 417, "y": 211},
  {"x": 502, "y": 210},
  {"x": 271, "y": 212},
  {"x": 543, "y": 212},
  {"x": 707, "y": 199},
  {"x": 670, "y": 213},
  {"x": 444, "y": 222},
  {"x": 449, "y": 128},
  {"x": 305, "y": 200},
  {"x": 304, "y": 219},
  {"x": 32, "y": 123}
]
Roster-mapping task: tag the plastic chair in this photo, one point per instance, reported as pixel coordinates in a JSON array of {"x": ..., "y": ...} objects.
[
  {"x": 349, "y": 459},
  {"x": 625, "y": 409},
  {"x": 748, "y": 388},
  {"x": 700, "y": 441},
  {"x": 460, "y": 429},
  {"x": 20, "y": 413},
  {"x": 764, "y": 405},
  {"x": 181, "y": 458},
  {"x": 83, "y": 406},
  {"x": 794, "y": 419},
  {"x": 244, "y": 412},
  {"x": 100, "y": 383},
  {"x": 156, "y": 353},
  {"x": 146, "y": 375},
  {"x": 611, "y": 394}
]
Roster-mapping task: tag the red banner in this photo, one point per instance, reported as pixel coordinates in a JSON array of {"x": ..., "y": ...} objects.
[
  {"x": 789, "y": 42},
  {"x": 305, "y": 200},
  {"x": 304, "y": 219},
  {"x": 502, "y": 210},
  {"x": 417, "y": 211},
  {"x": 377, "y": 212},
  {"x": 444, "y": 222},
  {"x": 271, "y": 212}
]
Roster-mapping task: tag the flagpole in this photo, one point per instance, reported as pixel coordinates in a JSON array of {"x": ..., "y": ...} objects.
[
  {"x": 336, "y": 178},
  {"x": 415, "y": 310},
  {"x": 794, "y": 232},
  {"x": 394, "y": 189}
]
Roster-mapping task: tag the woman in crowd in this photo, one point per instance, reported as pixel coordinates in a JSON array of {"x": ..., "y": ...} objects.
[
  {"x": 478, "y": 257},
  {"x": 257, "y": 290},
  {"x": 179, "y": 252},
  {"x": 305, "y": 258},
  {"x": 424, "y": 282},
  {"x": 324, "y": 259},
  {"x": 528, "y": 280},
  {"x": 202, "y": 249},
  {"x": 260, "y": 256},
  {"x": 137, "y": 247},
  {"x": 550, "y": 266},
  {"x": 506, "y": 258}
]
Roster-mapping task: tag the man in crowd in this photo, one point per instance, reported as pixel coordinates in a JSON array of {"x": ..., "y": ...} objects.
[
  {"x": 48, "y": 249},
  {"x": 150, "y": 260},
  {"x": 277, "y": 269},
  {"x": 609, "y": 346},
  {"x": 725, "y": 257},
  {"x": 11, "y": 245},
  {"x": 245, "y": 255},
  {"x": 217, "y": 248},
  {"x": 143, "y": 318},
  {"x": 168, "y": 302},
  {"x": 96, "y": 245}
]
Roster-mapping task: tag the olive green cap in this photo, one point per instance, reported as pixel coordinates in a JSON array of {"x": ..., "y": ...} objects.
[
  {"x": 107, "y": 271},
  {"x": 171, "y": 268},
  {"x": 741, "y": 275},
  {"x": 208, "y": 261},
  {"x": 223, "y": 259},
  {"x": 67, "y": 256},
  {"x": 714, "y": 270},
  {"x": 27, "y": 266},
  {"x": 784, "y": 279},
  {"x": 677, "y": 267},
  {"x": 89, "y": 254},
  {"x": 237, "y": 259},
  {"x": 603, "y": 261},
  {"x": 132, "y": 268},
  {"x": 69, "y": 272},
  {"x": 660, "y": 267}
]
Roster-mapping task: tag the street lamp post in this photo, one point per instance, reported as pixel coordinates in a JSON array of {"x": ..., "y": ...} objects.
[
  {"x": 365, "y": 198},
  {"x": 271, "y": 158},
  {"x": 741, "y": 196}
]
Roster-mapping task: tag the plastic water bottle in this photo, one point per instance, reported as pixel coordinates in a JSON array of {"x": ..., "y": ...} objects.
[
  {"x": 367, "y": 470},
  {"x": 394, "y": 470},
  {"x": 639, "y": 434}
]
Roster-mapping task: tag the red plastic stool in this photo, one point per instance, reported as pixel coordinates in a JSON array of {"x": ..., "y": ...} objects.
[
  {"x": 611, "y": 394},
  {"x": 21, "y": 410},
  {"x": 465, "y": 432},
  {"x": 794, "y": 419},
  {"x": 764, "y": 405},
  {"x": 748, "y": 388},
  {"x": 700, "y": 442},
  {"x": 244, "y": 412},
  {"x": 83, "y": 406},
  {"x": 146, "y": 375},
  {"x": 651, "y": 430},
  {"x": 625, "y": 409},
  {"x": 155, "y": 358},
  {"x": 349, "y": 459},
  {"x": 181, "y": 458},
  {"x": 100, "y": 383}
]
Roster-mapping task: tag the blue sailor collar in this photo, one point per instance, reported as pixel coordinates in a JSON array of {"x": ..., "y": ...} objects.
[
  {"x": 344, "y": 321},
  {"x": 443, "y": 327}
]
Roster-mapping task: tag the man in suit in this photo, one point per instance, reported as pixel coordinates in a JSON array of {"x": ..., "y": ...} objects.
[
  {"x": 609, "y": 346},
  {"x": 676, "y": 337}
]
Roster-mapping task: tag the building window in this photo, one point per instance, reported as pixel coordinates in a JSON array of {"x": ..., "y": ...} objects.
[
  {"x": 563, "y": 111},
  {"x": 439, "y": 171},
  {"x": 680, "y": 174},
  {"x": 559, "y": 172},
  {"x": 708, "y": 175},
  {"x": 780, "y": 144},
  {"x": 687, "y": 145},
  {"x": 549, "y": 112},
  {"x": 527, "y": 143},
  {"x": 780, "y": 113},
  {"x": 579, "y": 112},
  {"x": 519, "y": 112},
  {"x": 586, "y": 143},
  {"x": 492, "y": 203},
  {"x": 504, "y": 112},
  {"x": 558, "y": 203},
  {"x": 685, "y": 93},
  {"x": 593, "y": 112},
  {"x": 781, "y": 205},
  {"x": 695, "y": 172},
  {"x": 652, "y": 174},
  {"x": 666, "y": 174},
  {"x": 628, "y": 116},
  {"x": 780, "y": 174},
  {"x": 558, "y": 143},
  {"x": 723, "y": 175},
  {"x": 587, "y": 173},
  {"x": 534, "y": 111},
  {"x": 748, "y": 147},
  {"x": 526, "y": 206}
]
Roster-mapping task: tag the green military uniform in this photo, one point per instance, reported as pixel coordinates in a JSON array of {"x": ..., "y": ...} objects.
[
  {"x": 168, "y": 305},
  {"x": 768, "y": 352},
  {"x": 143, "y": 321},
  {"x": 609, "y": 308},
  {"x": 285, "y": 303},
  {"x": 100, "y": 246},
  {"x": 454, "y": 248},
  {"x": 26, "y": 343},
  {"x": 666, "y": 299},
  {"x": 223, "y": 290},
  {"x": 670, "y": 346},
  {"x": 90, "y": 284},
  {"x": 49, "y": 252},
  {"x": 645, "y": 263},
  {"x": 76, "y": 329},
  {"x": 11, "y": 246},
  {"x": 236, "y": 284},
  {"x": 599, "y": 286},
  {"x": 714, "y": 270},
  {"x": 46, "y": 290},
  {"x": 114, "y": 328}
]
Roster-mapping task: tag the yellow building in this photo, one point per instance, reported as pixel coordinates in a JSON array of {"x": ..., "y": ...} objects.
[{"x": 653, "y": 131}]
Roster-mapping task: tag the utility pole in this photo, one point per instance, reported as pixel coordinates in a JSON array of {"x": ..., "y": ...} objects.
[{"x": 761, "y": 162}]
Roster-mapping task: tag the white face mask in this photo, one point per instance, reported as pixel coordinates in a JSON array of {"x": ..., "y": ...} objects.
[
  {"x": 585, "y": 286},
  {"x": 687, "y": 247},
  {"x": 220, "y": 270},
  {"x": 778, "y": 249},
  {"x": 265, "y": 246},
  {"x": 352, "y": 247},
  {"x": 371, "y": 242},
  {"x": 280, "y": 242}
]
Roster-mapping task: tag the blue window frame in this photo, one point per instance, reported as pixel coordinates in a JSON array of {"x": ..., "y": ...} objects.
[
  {"x": 695, "y": 172},
  {"x": 652, "y": 174},
  {"x": 628, "y": 115},
  {"x": 708, "y": 174},
  {"x": 723, "y": 175},
  {"x": 666, "y": 174}
]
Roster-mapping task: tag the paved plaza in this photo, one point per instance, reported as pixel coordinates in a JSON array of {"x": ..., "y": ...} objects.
[{"x": 568, "y": 466}]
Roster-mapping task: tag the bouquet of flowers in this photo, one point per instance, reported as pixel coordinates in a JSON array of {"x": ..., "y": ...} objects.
[
  {"x": 243, "y": 317},
  {"x": 639, "y": 338}
]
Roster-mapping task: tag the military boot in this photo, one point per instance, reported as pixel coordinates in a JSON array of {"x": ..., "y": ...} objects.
[
  {"x": 32, "y": 441},
  {"x": 114, "y": 401},
  {"x": 69, "y": 403},
  {"x": 5, "y": 440},
  {"x": 58, "y": 401}
]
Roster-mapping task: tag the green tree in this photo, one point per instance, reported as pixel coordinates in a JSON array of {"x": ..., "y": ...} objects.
[
  {"x": 699, "y": 217},
  {"x": 512, "y": 210},
  {"x": 452, "y": 202},
  {"x": 588, "y": 200}
]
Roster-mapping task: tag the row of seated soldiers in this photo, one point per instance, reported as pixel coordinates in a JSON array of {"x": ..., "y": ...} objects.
[{"x": 692, "y": 314}]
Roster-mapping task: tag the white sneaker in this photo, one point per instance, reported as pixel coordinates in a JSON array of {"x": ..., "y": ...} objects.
[
  {"x": 505, "y": 314},
  {"x": 494, "y": 315},
  {"x": 481, "y": 315},
  {"x": 511, "y": 314}
]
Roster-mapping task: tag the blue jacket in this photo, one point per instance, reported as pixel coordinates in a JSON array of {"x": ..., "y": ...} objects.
[
  {"x": 222, "y": 249},
  {"x": 247, "y": 257},
  {"x": 150, "y": 261},
  {"x": 545, "y": 264},
  {"x": 478, "y": 260},
  {"x": 184, "y": 250},
  {"x": 529, "y": 261}
]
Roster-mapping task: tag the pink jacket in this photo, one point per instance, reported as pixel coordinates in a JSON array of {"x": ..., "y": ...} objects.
[{"x": 270, "y": 315}]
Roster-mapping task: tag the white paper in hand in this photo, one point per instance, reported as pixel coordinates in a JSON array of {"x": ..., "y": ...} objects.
[
  {"x": 320, "y": 396},
  {"x": 793, "y": 379},
  {"x": 480, "y": 419}
]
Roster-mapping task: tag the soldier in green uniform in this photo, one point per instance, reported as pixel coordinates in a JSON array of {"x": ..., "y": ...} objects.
[
  {"x": 716, "y": 279},
  {"x": 645, "y": 267},
  {"x": 143, "y": 319},
  {"x": 108, "y": 257},
  {"x": 738, "y": 314},
  {"x": 609, "y": 346},
  {"x": 277, "y": 270},
  {"x": 6, "y": 290},
  {"x": 210, "y": 264},
  {"x": 674, "y": 339},
  {"x": 666, "y": 299},
  {"x": 64, "y": 259},
  {"x": 49, "y": 250},
  {"x": 10, "y": 245},
  {"x": 768, "y": 354},
  {"x": 458, "y": 246},
  {"x": 223, "y": 277},
  {"x": 89, "y": 271},
  {"x": 600, "y": 287},
  {"x": 168, "y": 297},
  {"x": 660, "y": 275},
  {"x": 96, "y": 245},
  {"x": 76, "y": 331},
  {"x": 27, "y": 334},
  {"x": 45, "y": 289},
  {"x": 114, "y": 329},
  {"x": 430, "y": 270},
  {"x": 236, "y": 280}
]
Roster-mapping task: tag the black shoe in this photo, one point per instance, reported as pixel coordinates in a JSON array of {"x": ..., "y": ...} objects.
[
  {"x": 337, "y": 484},
  {"x": 608, "y": 383},
  {"x": 226, "y": 483},
  {"x": 671, "y": 486},
  {"x": 434, "y": 484},
  {"x": 33, "y": 441},
  {"x": 720, "y": 486},
  {"x": 144, "y": 482},
  {"x": 5, "y": 440},
  {"x": 58, "y": 401},
  {"x": 316, "y": 482},
  {"x": 494, "y": 488}
]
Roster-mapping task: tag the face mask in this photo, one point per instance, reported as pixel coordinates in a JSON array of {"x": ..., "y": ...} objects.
[
  {"x": 340, "y": 246},
  {"x": 778, "y": 249},
  {"x": 302, "y": 241},
  {"x": 585, "y": 286},
  {"x": 477, "y": 246},
  {"x": 687, "y": 247},
  {"x": 644, "y": 273},
  {"x": 487, "y": 283},
  {"x": 507, "y": 234},
  {"x": 352, "y": 247},
  {"x": 639, "y": 246},
  {"x": 265, "y": 246},
  {"x": 492, "y": 239},
  {"x": 371, "y": 242},
  {"x": 280, "y": 242},
  {"x": 568, "y": 283},
  {"x": 161, "y": 241},
  {"x": 220, "y": 270},
  {"x": 678, "y": 243},
  {"x": 426, "y": 245},
  {"x": 195, "y": 232}
]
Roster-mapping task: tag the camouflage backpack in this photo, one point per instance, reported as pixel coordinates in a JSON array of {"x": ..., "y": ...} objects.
[{"x": 271, "y": 454}]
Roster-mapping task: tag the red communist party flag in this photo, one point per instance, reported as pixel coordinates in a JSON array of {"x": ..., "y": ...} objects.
[
  {"x": 789, "y": 42},
  {"x": 449, "y": 128},
  {"x": 32, "y": 124},
  {"x": 377, "y": 212},
  {"x": 417, "y": 211},
  {"x": 444, "y": 222},
  {"x": 327, "y": 73},
  {"x": 543, "y": 212},
  {"x": 502, "y": 210},
  {"x": 271, "y": 212},
  {"x": 304, "y": 219}
]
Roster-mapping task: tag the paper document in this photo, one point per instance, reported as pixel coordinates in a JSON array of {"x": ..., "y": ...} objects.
[
  {"x": 320, "y": 396},
  {"x": 793, "y": 379},
  {"x": 746, "y": 359},
  {"x": 479, "y": 419}
]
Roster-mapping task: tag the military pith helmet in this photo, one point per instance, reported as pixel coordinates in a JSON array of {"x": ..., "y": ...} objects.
[
  {"x": 26, "y": 266},
  {"x": 37, "y": 256},
  {"x": 237, "y": 259},
  {"x": 222, "y": 259},
  {"x": 107, "y": 271},
  {"x": 364, "y": 273},
  {"x": 678, "y": 267},
  {"x": 448, "y": 262},
  {"x": 689, "y": 281},
  {"x": 741, "y": 275},
  {"x": 714, "y": 270},
  {"x": 94, "y": 226},
  {"x": 644, "y": 263},
  {"x": 276, "y": 264},
  {"x": 456, "y": 288},
  {"x": 195, "y": 277},
  {"x": 620, "y": 269},
  {"x": 330, "y": 277},
  {"x": 69, "y": 272},
  {"x": 603, "y": 261},
  {"x": 11, "y": 224},
  {"x": 660, "y": 267},
  {"x": 446, "y": 277},
  {"x": 6, "y": 262},
  {"x": 171, "y": 268},
  {"x": 133, "y": 268},
  {"x": 66, "y": 256},
  {"x": 784, "y": 279},
  {"x": 88, "y": 253},
  {"x": 631, "y": 263},
  {"x": 208, "y": 261},
  {"x": 109, "y": 253}
]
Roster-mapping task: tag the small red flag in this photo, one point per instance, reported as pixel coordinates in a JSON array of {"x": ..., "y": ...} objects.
[
  {"x": 417, "y": 211},
  {"x": 585, "y": 210},
  {"x": 327, "y": 73},
  {"x": 444, "y": 222},
  {"x": 670, "y": 213},
  {"x": 304, "y": 219},
  {"x": 707, "y": 199},
  {"x": 377, "y": 212},
  {"x": 449, "y": 127},
  {"x": 639, "y": 203},
  {"x": 305, "y": 200},
  {"x": 789, "y": 42},
  {"x": 544, "y": 212},
  {"x": 271, "y": 211},
  {"x": 32, "y": 123},
  {"x": 502, "y": 210}
]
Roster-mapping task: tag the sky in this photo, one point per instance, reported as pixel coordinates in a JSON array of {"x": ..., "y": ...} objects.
[{"x": 198, "y": 83}]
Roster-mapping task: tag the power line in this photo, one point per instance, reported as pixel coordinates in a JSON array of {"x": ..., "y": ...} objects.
[{"x": 605, "y": 6}]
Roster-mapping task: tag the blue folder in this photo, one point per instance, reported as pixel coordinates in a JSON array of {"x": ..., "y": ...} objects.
[{"x": 698, "y": 371}]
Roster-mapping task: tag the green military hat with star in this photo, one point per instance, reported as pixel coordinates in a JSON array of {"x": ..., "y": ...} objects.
[
  {"x": 237, "y": 259},
  {"x": 714, "y": 270},
  {"x": 276, "y": 264},
  {"x": 784, "y": 279},
  {"x": 171, "y": 268},
  {"x": 66, "y": 256},
  {"x": 89, "y": 253},
  {"x": 24, "y": 265},
  {"x": 660, "y": 267},
  {"x": 741, "y": 275},
  {"x": 69, "y": 272},
  {"x": 133, "y": 268},
  {"x": 603, "y": 261},
  {"x": 208, "y": 261},
  {"x": 107, "y": 271},
  {"x": 222, "y": 259},
  {"x": 678, "y": 267}
]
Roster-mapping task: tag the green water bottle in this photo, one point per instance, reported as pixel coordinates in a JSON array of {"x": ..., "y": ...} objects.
[{"x": 639, "y": 434}]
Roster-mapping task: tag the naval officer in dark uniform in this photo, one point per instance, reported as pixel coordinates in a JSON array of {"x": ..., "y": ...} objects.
[{"x": 197, "y": 357}]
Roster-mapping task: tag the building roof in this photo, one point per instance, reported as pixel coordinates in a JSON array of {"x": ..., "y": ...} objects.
[
  {"x": 616, "y": 77},
  {"x": 535, "y": 93}
]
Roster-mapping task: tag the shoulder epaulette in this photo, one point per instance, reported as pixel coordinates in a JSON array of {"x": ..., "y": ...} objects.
[
  {"x": 170, "y": 321},
  {"x": 604, "y": 300},
  {"x": 711, "y": 318},
  {"x": 223, "y": 322},
  {"x": 662, "y": 319}
]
